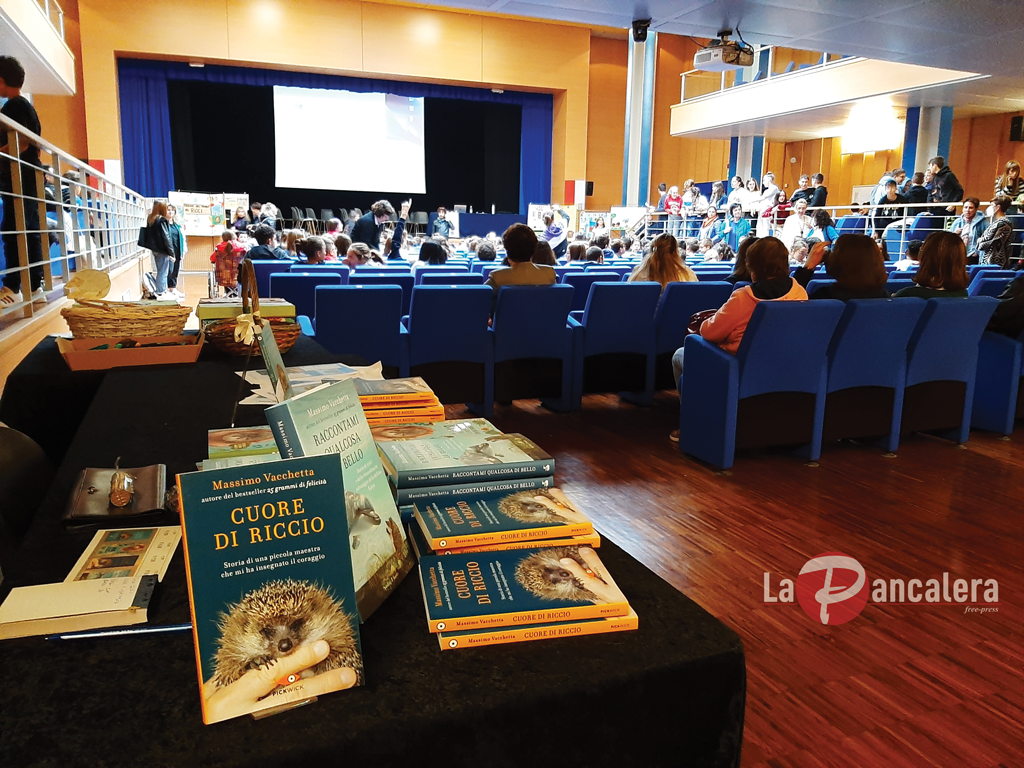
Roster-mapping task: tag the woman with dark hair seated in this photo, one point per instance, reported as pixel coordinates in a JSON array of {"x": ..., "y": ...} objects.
[
  {"x": 857, "y": 265},
  {"x": 768, "y": 262},
  {"x": 943, "y": 270},
  {"x": 432, "y": 252},
  {"x": 543, "y": 254},
  {"x": 740, "y": 273}
]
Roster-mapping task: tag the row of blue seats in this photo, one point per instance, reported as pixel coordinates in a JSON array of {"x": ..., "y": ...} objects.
[{"x": 625, "y": 336}]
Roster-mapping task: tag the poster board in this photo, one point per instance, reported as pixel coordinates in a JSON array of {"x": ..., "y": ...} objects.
[
  {"x": 203, "y": 214},
  {"x": 588, "y": 221},
  {"x": 626, "y": 217},
  {"x": 861, "y": 193},
  {"x": 233, "y": 200},
  {"x": 535, "y": 216}
]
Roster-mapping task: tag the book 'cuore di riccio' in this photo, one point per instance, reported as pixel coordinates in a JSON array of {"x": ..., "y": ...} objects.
[{"x": 270, "y": 584}]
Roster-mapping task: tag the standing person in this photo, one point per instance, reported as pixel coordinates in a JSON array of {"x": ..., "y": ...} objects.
[
  {"x": 367, "y": 228},
  {"x": 1010, "y": 185},
  {"x": 993, "y": 246},
  {"x": 554, "y": 230},
  {"x": 160, "y": 246},
  {"x": 656, "y": 223},
  {"x": 970, "y": 225},
  {"x": 917, "y": 193},
  {"x": 441, "y": 225},
  {"x": 19, "y": 109},
  {"x": 736, "y": 190},
  {"x": 718, "y": 198},
  {"x": 947, "y": 187},
  {"x": 889, "y": 209},
  {"x": 804, "y": 192},
  {"x": 779, "y": 212},
  {"x": 769, "y": 193},
  {"x": 393, "y": 245},
  {"x": 749, "y": 198},
  {"x": 711, "y": 227},
  {"x": 820, "y": 190},
  {"x": 674, "y": 206},
  {"x": 179, "y": 247},
  {"x": 736, "y": 227}
]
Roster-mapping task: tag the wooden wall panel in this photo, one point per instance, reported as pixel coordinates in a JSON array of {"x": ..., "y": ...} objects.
[{"x": 606, "y": 123}]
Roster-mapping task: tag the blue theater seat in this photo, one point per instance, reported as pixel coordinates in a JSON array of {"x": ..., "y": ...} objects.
[
  {"x": 897, "y": 284},
  {"x": 942, "y": 361},
  {"x": 619, "y": 270},
  {"x": 581, "y": 285},
  {"x": 562, "y": 270},
  {"x": 363, "y": 320},
  {"x": 867, "y": 369},
  {"x": 614, "y": 348},
  {"x": 997, "y": 389},
  {"x": 450, "y": 345},
  {"x": 771, "y": 392},
  {"x": 316, "y": 269},
  {"x": 817, "y": 283},
  {"x": 263, "y": 268},
  {"x": 451, "y": 278},
  {"x": 405, "y": 281},
  {"x": 300, "y": 289},
  {"x": 533, "y": 345},
  {"x": 439, "y": 269},
  {"x": 679, "y": 302},
  {"x": 984, "y": 285}
]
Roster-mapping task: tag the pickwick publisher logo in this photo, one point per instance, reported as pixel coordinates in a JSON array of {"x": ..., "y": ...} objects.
[{"x": 833, "y": 588}]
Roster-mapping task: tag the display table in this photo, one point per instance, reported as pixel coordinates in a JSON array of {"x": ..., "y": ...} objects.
[
  {"x": 671, "y": 693},
  {"x": 47, "y": 400},
  {"x": 482, "y": 224}
]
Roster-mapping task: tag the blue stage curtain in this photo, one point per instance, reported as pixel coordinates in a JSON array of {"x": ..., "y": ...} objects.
[
  {"x": 145, "y": 132},
  {"x": 139, "y": 91}
]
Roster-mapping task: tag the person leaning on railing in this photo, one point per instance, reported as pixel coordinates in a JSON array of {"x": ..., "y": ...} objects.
[
  {"x": 1011, "y": 185},
  {"x": 20, "y": 110},
  {"x": 994, "y": 243}
]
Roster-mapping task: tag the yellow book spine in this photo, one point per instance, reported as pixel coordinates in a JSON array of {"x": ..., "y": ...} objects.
[
  {"x": 533, "y": 535},
  {"x": 381, "y": 422},
  {"x": 387, "y": 401},
  {"x": 390, "y": 413},
  {"x": 449, "y": 642},
  {"x": 490, "y": 621},
  {"x": 586, "y": 540}
]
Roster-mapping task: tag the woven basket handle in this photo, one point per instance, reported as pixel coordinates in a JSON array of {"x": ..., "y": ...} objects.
[{"x": 247, "y": 279}]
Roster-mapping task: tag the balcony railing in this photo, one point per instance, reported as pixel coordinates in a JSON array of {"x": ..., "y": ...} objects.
[
  {"x": 58, "y": 219},
  {"x": 54, "y": 14},
  {"x": 770, "y": 63}
]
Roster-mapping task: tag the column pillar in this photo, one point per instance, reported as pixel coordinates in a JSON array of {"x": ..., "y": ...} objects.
[
  {"x": 636, "y": 160},
  {"x": 927, "y": 134},
  {"x": 746, "y": 157}
]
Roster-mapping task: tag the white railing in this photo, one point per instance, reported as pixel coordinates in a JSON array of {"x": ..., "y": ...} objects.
[
  {"x": 766, "y": 57},
  {"x": 893, "y": 226},
  {"x": 54, "y": 14},
  {"x": 60, "y": 216}
]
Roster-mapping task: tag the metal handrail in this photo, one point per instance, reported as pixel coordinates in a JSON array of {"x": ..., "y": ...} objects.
[
  {"x": 47, "y": 7},
  {"x": 92, "y": 222},
  {"x": 755, "y": 68}
]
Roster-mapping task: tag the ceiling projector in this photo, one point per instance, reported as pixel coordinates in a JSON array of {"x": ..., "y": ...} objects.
[{"x": 723, "y": 53}]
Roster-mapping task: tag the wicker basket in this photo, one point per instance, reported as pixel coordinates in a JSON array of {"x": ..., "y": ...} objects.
[
  {"x": 97, "y": 319},
  {"x": 221, "y": 333}
]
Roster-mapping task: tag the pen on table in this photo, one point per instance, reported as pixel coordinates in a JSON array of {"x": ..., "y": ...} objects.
[{"x": 123, "y": 631}]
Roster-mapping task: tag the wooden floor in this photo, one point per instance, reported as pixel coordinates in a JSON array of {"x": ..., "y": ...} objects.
[{"x": 899, "y": 686}]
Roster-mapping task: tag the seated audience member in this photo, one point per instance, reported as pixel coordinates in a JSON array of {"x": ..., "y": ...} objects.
[
  {"x": 910, "y": 257},
  {"x": 603, "y": 242},
  {"x": 736, "y": 226},
  {"x": 292, "y": 238},
  {"x": 485, "y": 251},
  {"x": 798, "y": 251},
  {"x": 334, "y": 228},
  {"x": 943, "y": 270},
  {"x": 917, "y": 193},
  {"x": 240, "y": 222},
  {"x": 472, "y": 243},
  {"x": 258, "y": 217},
  {"x": 432, "y": 253},
  {"x": 367, "y": 228},
  {"x": 970, "y": 225},
  {"x": 1008, "y": 319},
  {"x": 441, "y": 226},
  {"x": 804, "y": 192},
  {"x": 1010, "y": 185},
  {"x": 594, "y": 255},
  {"x": 330, "y": 249},
  {"x": 824, "y": 227},
  {"x": 342, "y": 243},
  {"x": 740, "y": 273},
  {"x": 520, "y": 245},
  {"x": 705, "y": 248},
  {"x": 798, "y": 224},
  {"x": 357, "y": 255},
  {"x": 820, "y": 194},
  {"x": 994, "y": 244},
  {"x": 618, "y": 248},
  {"x": 857, "y": 265},
  {"x": 723, "y": 253},
  {"x": 711, "y": 227},
  {"x": 226, "y": 257},
  {"x": 769, "y": 271},
  {"x": 313, "y": 250},
  {"x": 663, "y": 265},
  {"x": 271, "y": 214},
  {"x": 577, "y": 252},
  {"x": 543, "y": 254},
  {"x": 266, "y": 245},
  {"x": 692, "y": 245}
]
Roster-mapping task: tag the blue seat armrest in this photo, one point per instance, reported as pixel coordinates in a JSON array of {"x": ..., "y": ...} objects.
[
  {"x": 306, "y": 325},
  {"x": 576, "y": 317},
  {"x": 405, "y": 322}
]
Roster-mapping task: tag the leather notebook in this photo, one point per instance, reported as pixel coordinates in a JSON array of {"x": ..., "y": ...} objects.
[{"x": 89, "y": 503}]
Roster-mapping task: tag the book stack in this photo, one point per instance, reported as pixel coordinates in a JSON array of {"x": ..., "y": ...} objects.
[
  {"x": 398, "y": 401},
  {"x": 504, "y": 556},
  {"x": 239, "y": 447}
]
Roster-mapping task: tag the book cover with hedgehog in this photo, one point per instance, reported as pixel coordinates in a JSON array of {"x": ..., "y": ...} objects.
[
  {"x": 472, "y": 519},
  {"x": 330, "y": 420},
  {"x": 482, "y": 590},
  {"x": 274, "y": 612}
]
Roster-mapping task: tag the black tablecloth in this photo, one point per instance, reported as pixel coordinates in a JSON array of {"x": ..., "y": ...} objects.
[
  {"x": 671, "y": 693},
  {"x": 47, "y": 400}
]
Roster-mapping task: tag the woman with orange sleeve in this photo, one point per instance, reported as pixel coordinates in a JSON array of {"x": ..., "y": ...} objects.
[{"x": 768, "y": 262}]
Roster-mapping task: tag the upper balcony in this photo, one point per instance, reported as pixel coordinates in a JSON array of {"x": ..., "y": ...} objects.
[
  {"x": 33, "y": 32},
  {"x": 794, "y": 94}
]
